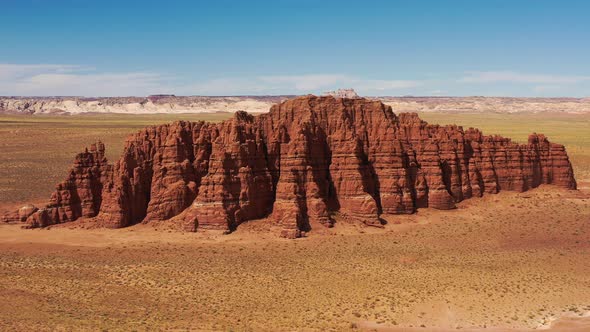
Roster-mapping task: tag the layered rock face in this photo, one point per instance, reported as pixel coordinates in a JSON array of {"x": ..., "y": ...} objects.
[
  {"x": 80, "y": 195},
  {"x": 306, "y": 159}
]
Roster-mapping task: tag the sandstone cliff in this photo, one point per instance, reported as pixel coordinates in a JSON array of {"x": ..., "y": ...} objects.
[{"x": 298, "y": 164}]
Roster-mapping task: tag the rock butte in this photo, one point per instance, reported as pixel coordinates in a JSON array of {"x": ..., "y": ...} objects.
[{"x": 298, "y": 164}]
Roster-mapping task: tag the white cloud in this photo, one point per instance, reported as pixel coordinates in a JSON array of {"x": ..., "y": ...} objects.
[
  {"x": 516, "y": 77},
  {"x": 226, "y": 86},
  {"x": 547, "y": 88},
  {"x": 65, "y": 79},
  {"x": 295, "y": 84},
  {"x": 73, "y": 80},
  {"x": 60, "y": 80},
  {"x": 13, "y": 71},
  {"x": 315, "y": 82},
  {"x": 385, "y": 85},
  {"x": 307, "y": 82},
  {"x": 91, "y": 84}
]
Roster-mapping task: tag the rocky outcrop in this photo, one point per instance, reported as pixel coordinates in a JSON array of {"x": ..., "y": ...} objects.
[
  {"x": 80, "y": 195},
  {"x": 342, "y": 93},
  {"x": 19, "y": 215},
  {"x": 298, "y": 164}
]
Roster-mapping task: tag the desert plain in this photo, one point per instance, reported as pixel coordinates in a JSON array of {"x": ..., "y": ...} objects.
[{"x": 510, "y": 261}]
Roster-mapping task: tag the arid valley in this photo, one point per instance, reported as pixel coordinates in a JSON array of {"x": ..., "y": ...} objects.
[
  {"x": 294, "y": 166},
  {"x": 507, "y": 261}
]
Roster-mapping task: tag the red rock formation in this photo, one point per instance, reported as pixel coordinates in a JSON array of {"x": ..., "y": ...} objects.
[
  {"x": 305, "y": 159},
  {"x": 80, "y": 195}
]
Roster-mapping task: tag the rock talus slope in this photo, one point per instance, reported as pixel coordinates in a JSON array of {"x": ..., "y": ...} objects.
[{"x": 298, "y": 164}]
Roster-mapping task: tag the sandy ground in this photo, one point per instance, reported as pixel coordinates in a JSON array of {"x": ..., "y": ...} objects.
[{"x": 506, "y": 262}]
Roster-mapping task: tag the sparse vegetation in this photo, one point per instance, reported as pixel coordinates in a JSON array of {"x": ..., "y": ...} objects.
[{"x": 512, "y": 259}]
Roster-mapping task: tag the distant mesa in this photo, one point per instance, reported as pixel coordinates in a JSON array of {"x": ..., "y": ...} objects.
[
  {"x": 169, "y": 103},
  {"x": 154, "y": 98},
  {"x": 153, "y": 104},
  {"x": 297, "y": 165},
  {"x": 342, "y": 93}
]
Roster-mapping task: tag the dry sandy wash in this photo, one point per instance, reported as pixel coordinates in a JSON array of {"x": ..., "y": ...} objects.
[{"x": 511, "y": 260}]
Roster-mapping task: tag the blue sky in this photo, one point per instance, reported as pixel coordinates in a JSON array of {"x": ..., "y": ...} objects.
[{"x": 437, "y": 47}]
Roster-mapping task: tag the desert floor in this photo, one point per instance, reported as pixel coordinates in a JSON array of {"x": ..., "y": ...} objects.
[{"x": 509, "y": 261}]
